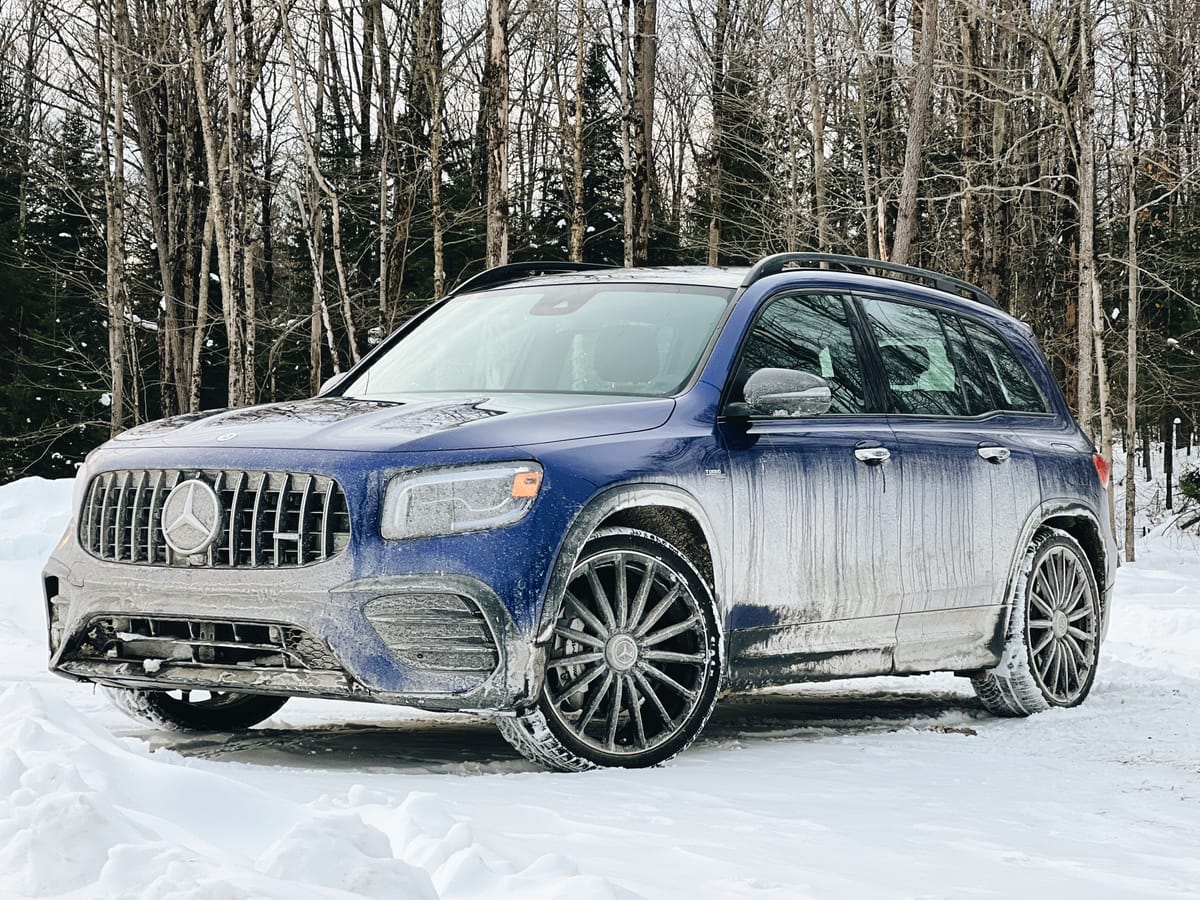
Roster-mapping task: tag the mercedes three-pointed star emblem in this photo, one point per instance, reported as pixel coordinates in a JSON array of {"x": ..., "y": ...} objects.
[{"x": 191, "y": 517}]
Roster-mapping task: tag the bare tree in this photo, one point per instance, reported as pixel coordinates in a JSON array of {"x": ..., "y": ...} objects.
[
  {"x": 920, "y": 111},
  {"x": 495, "y": 100}
]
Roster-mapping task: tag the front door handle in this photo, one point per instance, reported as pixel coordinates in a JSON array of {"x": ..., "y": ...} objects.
[
  {"x": 872, "y": 455},
  {"x": 994, "y": 454}
]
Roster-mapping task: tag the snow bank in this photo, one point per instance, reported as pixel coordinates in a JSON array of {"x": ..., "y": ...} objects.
[
  {"x": 83, "y": 813},
  {"x": 34, "y": 513}
]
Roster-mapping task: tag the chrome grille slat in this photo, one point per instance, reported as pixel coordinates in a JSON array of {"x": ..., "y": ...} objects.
[
  {"x": 152, "y": 517},
  {"x": 256, "y": 512},
  {"x": 118, "y": 538},
  {"x": 233, "y": 542},
  {"x": 105, "y": 491},
  {"x": 89, "y": 531},
  {"x": 280, "y": 520},
  {"x": 326, "y": 528},
  {"x": 266, "y": 515},
  {"x": 135, "y": 515}
]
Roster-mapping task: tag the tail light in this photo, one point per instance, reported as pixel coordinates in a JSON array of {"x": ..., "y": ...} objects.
[{"x": 1101, "y": 465}]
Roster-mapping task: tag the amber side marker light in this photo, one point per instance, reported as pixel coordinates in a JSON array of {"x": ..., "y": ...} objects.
[
  {"x": 526, "y": 485},
  {"x": 1098, "y": 461}
]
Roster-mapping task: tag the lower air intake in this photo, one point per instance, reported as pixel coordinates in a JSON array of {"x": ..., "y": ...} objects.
[
  {"x": 435, "y": 632},
  {"x": 203, "y": 642}
]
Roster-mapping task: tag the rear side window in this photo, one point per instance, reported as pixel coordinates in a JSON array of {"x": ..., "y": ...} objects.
[
  {"x": 971, "y": 379},
  {"x": 918, "y": 361},
  {"x": 1011, "y": 383},
  {"x": 809, "y": 333}
]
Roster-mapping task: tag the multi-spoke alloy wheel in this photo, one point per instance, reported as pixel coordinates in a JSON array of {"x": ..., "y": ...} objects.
[
  {"x": 1063, "y": 626},
  {"x": 1054, "y": 635},
  {"x": 187, "y": 710},
  {"x": 632, "y": 668}
]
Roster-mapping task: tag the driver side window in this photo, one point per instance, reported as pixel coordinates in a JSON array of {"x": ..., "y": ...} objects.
[{"x": 809, "y": 333}]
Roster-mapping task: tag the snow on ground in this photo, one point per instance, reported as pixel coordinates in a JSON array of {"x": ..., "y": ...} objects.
[{"x": 880, "y": 788}]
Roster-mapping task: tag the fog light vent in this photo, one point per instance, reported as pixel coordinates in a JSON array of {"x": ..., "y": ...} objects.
[{"x": 436, "y": 632}]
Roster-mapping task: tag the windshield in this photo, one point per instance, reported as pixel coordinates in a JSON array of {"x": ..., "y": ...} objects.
[{"x": 642, "y": 340}]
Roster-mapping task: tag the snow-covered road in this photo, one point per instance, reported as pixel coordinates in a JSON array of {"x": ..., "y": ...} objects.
[{"x": 879, "y": 788}]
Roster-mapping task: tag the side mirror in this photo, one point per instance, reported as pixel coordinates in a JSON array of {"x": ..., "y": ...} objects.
[
  {"x": 786, "y": 392},
  {"x": 330, "y": 382}
]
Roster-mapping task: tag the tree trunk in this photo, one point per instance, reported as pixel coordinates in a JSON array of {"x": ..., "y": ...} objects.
[
  {"x": 112, "y": 144},
  {"x": 717, "y": 137},
  {"x": 1088, "y": 286},
  {"x": 216, "y": 199},
  {"x": 1168, "y": 430},
  {"x": 1131, "y": 324},
  {"x": 436, "y": 58},
  {"x": 645, "y": 55},
  {"x": 578, "y": 213},
  {"x": 626, "y": 85},
  {"x": 818, "y": 129},
  {"x": 495, "y": 96},
  {"x": 970, "y": 128},
  {"x": 920, "y": 112},
  {"x": 201, "y": 324}
]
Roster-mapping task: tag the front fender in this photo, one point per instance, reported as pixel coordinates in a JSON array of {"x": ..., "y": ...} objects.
[{"x": 608, "y": 502}]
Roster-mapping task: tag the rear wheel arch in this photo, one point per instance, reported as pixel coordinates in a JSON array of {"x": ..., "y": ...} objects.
[
  {"x": 1086, "y": 531},
  {"x": 1082, "y": 524}
]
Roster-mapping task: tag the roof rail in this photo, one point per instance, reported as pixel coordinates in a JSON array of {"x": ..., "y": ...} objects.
[
  {"x": 511, "y": 272},
  {"x": 780, "y": 262}
]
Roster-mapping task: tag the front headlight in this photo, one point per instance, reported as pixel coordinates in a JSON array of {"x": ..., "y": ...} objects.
[{"x": 458, "y": 500}]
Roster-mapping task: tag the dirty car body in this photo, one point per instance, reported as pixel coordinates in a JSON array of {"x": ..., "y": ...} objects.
[{"x": 409, "y": 536}]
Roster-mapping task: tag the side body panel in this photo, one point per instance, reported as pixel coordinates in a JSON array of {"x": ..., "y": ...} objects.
[
  {"x": 816, "y": 550},
  {"x": 963, "y": 518}
]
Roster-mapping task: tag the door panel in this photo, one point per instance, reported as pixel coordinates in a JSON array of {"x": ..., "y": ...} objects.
[
  {"x": 959, "y": 521},
  {"x": 957, "y": 459},
  {"x": 817, "y": 546},
  {"x": 819, "y": 549}
]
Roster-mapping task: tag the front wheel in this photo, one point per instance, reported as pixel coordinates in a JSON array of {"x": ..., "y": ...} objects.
[
  {"x": 1053, "y": 642},
  {"x": 194, "y": 710},
  {"x": 634, "y": 662}
]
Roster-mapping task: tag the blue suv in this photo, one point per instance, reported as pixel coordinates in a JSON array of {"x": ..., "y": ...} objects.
[{"x": 587, "y": 501}]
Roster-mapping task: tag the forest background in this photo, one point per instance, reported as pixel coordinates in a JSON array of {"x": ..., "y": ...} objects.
[{"x": 213, "y": 203}]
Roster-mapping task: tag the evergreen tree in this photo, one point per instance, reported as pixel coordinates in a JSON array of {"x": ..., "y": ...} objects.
[{"x": 53, "y": 407}]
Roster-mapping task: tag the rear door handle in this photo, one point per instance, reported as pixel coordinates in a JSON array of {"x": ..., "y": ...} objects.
[
  {"x": 994, "y": 454},
  {"x": 872, "y": 455}
]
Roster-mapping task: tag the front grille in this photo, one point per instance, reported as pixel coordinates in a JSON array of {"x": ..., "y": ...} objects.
[
  {"x": 269, "y": 519},
  {"x": 437, "y": 632},
  {"x": 222, "y": 643}
]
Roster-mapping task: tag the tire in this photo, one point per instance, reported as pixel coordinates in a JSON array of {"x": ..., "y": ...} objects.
[
  {"x": 634, "y": 663},
  {"x": 1053, "y": 643},
  {"x": 212, "y": 711}
]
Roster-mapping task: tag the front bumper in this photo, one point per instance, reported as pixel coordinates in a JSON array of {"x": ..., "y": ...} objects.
[{"x": 398, "y": 639}]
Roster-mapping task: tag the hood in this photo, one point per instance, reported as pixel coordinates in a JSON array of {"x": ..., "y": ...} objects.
[{"x": 422, "y": 423}]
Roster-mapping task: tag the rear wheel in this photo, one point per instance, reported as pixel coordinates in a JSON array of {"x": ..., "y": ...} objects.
[
  {"x": 633, "y": 665},
  {"x": 1053, "y": 641},
  {"x": 194, "y": 710}
]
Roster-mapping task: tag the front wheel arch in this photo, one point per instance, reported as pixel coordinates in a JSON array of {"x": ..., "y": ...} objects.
[{"x": 633, "y": 505}]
